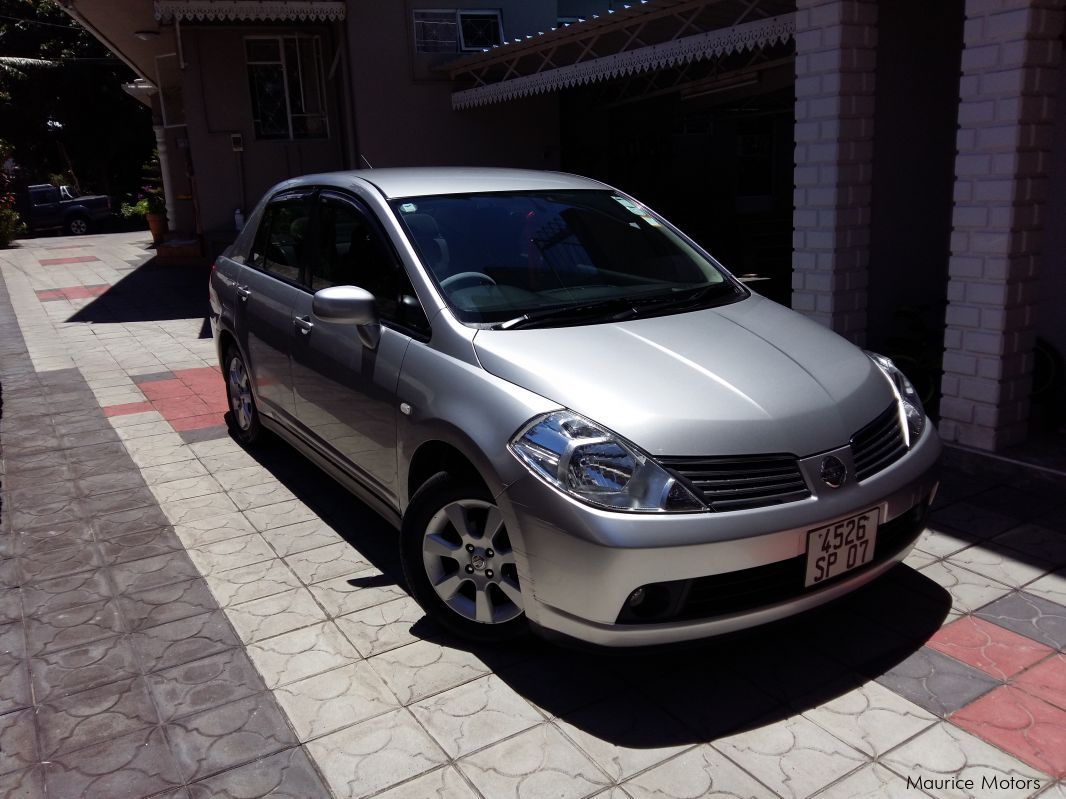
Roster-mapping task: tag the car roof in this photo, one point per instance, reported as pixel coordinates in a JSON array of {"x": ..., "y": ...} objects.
[{"x": 396, "y": 182}]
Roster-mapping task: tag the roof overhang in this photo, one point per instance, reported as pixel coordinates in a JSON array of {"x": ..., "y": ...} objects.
[
  {"x": 249, "y": 10},
  {"x": 652, "y": 36}
]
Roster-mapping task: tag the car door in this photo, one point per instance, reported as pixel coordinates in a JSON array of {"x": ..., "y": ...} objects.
[
  {"x": 345, "y": 389},
  {"x": 46, "y": 210},
  {"x": 268, "y": 288}
]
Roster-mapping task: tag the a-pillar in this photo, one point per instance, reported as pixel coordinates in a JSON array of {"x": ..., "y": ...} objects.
[
  {"x": 836, "y": 44},
  {"x": 1009, "y": 71}
]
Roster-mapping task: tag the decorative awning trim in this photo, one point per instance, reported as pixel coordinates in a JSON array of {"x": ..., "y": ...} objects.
[
  {"x": 711, "y": 44},
  {"x": 249, "y": 10}
]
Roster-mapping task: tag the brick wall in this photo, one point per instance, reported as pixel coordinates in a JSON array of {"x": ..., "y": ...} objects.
[
  {"x": 1009, "y": 70},
  {"x": 835, "y": 63}
]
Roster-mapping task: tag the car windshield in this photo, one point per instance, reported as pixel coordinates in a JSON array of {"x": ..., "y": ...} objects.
[{"x": 550, "y": 258}]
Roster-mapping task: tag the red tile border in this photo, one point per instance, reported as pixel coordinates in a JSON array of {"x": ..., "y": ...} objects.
[
  {"x": 165, "y": 389},
  {"x": 179, "y": 407},
  {"x": 127, "y": 408},
  {"x": 988, "y": 647},
  {"x": 1026, "y": 727},
  {"x": 198, "y": 422},
  {"x": 73, "y": 259},
  {"x": 1046, "y": 681}
]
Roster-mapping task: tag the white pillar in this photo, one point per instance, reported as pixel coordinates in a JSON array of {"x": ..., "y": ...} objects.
[
  {"x": 164, "y": 171},
  {"x": 836, "y": 43},
  {"x": 1009, "y": 72}
]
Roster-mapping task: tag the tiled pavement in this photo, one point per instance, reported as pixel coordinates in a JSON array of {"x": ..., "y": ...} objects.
[{"x": 179, "y": 617}]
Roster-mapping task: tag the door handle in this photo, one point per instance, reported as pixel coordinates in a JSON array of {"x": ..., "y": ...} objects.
[
  {"x": 244, "y": 293},
  {"x": 304, "y": 324}
]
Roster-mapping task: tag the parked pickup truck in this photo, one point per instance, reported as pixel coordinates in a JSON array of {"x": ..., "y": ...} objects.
[{"x": 46, "y": 207}]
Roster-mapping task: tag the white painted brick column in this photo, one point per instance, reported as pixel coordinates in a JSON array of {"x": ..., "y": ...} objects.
[
  {"x": 1009, "y": 70},
  {"x": 835, "y": 61}
]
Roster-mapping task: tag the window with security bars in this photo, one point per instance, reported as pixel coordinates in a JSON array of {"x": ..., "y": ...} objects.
[
  {"x": 456, "y": 31},
  {"x": 287, "y": 86}
]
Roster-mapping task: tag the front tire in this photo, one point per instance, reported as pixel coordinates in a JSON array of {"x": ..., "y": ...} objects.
[
  {"x": 243, "y": 418},
  {"x": 458, "y": 561}
]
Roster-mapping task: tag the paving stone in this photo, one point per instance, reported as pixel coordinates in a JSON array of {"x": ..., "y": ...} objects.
[
  {"x": 47, "y": 564},
  {"x": 301, "y": 653},
  {"x": 137, "y": 520},
  {"x": 242, "y": 731},
  {"x": 423, "y": 668},
  {"x": 18, "y": 741},
  {"x": 945, "y": 752},
  {"x": 138, "y": 546},
  {"x": 367, "y": 757},
  {"x": 182, "y": 641},
  {"x": 232, "y": 553},
  {"x": 97, "y": 485},
  {"x": 137, "y": 764},
  {"x": 343, "y": 595},
  {"x": 324, "y": 563},
  {"x": 30, "y": 542},
  {"x": 202, "y": 684},
  {"x": 66, "y": 592},
  {"x": 701, "y": 771},
  {"x": 993, "y": 649},
  {"x": 1046, "y": 681},
  {"x": 936, "y": 682},
  {"x": 286, "y": 775},
  {"x": 443, "y": 783},
  {"x": 276, "y": 614},
  {"x": 167, "y": 603},
  {"x": 83, "y": 667},
  {"x": 538, "y": 762},
  {"x": 793, "y": 756},
  {"x": 1031, "y": 616},
  {"x": 475, "y": 715},
  {"x": 98, "y": 714},
  {"x": 153, "y": 572},
  {"x": 251, "y": 582},
  {"x": 72, "y": 627},
  {"x": 25, "y": 784}
]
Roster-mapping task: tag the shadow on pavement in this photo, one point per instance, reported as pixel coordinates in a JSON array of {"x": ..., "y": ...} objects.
[
  {"x": 157, "y": 290},
  {"x": 665, "y": 696}
]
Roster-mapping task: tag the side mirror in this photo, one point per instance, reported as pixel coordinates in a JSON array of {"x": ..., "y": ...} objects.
[
  {"x": 345, "y": 305},
  {"x": 349, "y": 305}
]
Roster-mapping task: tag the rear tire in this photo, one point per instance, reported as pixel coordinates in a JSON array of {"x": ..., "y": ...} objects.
[
  {"x": 243, "y": 416},
  {"x": 458, "y": 561},
  {"x": 77, "y": 225}
]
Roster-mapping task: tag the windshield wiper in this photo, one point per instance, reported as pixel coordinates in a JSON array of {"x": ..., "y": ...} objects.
[
  {"x": 621, "y": 307},
  {"x": 683, "y": 300}
]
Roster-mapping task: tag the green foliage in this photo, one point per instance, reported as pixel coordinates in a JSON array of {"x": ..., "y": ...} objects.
[
  {"x": 71, "y": 117},
  {"x": 10, "y": 223}
]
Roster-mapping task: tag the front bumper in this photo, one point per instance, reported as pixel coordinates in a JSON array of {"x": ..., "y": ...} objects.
[{"x": 581, "y": 564}]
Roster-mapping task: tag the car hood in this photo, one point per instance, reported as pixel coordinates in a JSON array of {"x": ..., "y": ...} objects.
[{"x": 750, "y": 377}]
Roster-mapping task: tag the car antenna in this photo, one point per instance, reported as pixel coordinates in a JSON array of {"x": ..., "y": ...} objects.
[{"x": 368, "y": 164}]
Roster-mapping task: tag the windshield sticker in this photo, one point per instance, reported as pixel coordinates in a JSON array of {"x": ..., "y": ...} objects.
[
  {"x": 408, "y": 208},
  {"x": 637, "y": 210}
]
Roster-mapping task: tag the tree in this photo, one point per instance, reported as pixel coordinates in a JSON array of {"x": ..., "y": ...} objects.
[{"x": 62, "y": 107}]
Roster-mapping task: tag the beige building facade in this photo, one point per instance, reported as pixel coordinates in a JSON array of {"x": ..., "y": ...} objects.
[{"x": 895, "y": 170}]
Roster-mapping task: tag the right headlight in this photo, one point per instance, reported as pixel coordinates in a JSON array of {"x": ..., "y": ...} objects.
[
  {"x": 910, "y": 404},
  {"x": 593, "y": 465}
]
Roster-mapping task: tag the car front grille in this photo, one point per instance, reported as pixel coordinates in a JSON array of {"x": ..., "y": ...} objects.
[
  {"x": 737, "y": 483},
  {"x": 878, "y": 444},
  {"x": 761, "y": 586}
]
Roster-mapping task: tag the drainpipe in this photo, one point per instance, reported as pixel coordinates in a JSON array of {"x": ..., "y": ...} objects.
[{"x": 164, "y": 170}]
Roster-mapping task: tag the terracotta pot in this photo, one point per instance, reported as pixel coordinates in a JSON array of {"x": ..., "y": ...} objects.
[{"x": 157, "y": 223}]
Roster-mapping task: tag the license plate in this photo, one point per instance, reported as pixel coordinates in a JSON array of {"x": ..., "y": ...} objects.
[{"x": 840, "y": 547}]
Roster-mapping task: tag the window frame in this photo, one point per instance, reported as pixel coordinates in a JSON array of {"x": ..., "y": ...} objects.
[
  {"x": 457, "y": 15},
  {"x": 316, "y": 44},
  {"x": 308, "y": 196}
]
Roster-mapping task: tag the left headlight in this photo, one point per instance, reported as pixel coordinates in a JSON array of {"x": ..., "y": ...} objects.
[
  {"x": 595, "y": 466},
  {"x": 910, "y": 404}
]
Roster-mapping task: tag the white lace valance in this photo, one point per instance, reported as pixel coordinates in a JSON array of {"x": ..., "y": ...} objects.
[
  {"x": 249, "y": 10},
  {"x": 746, "y": 36}
]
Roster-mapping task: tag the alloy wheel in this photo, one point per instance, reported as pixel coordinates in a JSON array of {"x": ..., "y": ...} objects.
[
  {"x": 240, "y": 393},
  {"x": 470, "y": 563}
]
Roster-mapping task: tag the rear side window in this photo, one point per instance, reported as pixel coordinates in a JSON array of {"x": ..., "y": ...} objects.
[
  {"x": 42, "y": 196},
  {"x": 283, "y": 239}
]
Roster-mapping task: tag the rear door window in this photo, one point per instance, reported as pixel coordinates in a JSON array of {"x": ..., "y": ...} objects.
[{"x": 284, "y": 237}]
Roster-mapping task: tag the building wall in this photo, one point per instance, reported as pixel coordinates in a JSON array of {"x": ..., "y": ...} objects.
[
  {"x": 1051, "y": 321},
  {"x": 218, "y": 103},
  {"x": 403, "y": 105}
]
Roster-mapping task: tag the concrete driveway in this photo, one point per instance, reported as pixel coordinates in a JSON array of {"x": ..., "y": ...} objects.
[{"x": 180, "y": 617}]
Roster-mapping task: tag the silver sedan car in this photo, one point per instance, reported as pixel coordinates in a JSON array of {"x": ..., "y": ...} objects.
[{"x": 580, "y": 422}]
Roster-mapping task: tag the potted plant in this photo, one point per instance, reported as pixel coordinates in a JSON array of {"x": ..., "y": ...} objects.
[{"x": 153, "y": 207}]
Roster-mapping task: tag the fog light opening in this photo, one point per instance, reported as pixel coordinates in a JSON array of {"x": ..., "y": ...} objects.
[{"x": 636, "y": 599}]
